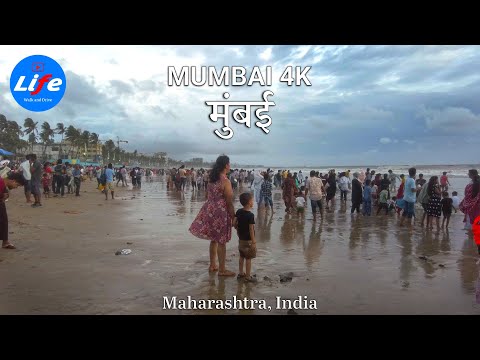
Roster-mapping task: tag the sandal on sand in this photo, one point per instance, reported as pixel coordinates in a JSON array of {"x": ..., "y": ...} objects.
[
  {"x": 252, "y": 279},
  {"x": 8, "y": 246},
  {"x": 226, "y": 273},
  {"x": 240, "y": 276}
]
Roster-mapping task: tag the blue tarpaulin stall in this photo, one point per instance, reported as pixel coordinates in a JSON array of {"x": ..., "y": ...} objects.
[{"x": 5, "y": 152}]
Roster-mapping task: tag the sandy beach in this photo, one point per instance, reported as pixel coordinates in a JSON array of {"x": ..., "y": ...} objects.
[{"x": 65, "y": 260}]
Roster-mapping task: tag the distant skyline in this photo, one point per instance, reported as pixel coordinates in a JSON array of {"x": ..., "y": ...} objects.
[{"x": 367, "y": 104}]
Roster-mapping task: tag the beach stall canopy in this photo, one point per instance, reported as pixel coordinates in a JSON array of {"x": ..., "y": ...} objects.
[{"x": 5, "y": 152}]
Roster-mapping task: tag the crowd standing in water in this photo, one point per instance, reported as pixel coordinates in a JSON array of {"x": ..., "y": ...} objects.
[{"x": 369, "y": 190}]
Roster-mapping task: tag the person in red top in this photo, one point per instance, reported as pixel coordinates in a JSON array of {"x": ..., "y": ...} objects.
[
  {"x": 444, "y": 183},
  {"x": 476, "y": 232},
  {"x": 401, "y": 188},
  {"x": 46, "y": 185},
  {"x": 3, "y": 216},
  {"x": 400, "y": 192},
  {"x": 47, "y": 168}
]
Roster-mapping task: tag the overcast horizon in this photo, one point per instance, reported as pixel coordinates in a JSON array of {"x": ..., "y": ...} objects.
[{"x": 367, "y": 104}]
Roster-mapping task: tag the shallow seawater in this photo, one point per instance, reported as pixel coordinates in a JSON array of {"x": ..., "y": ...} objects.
[
  {"x": 348, "y": 265},
  {"x": 343, "y": 264}
]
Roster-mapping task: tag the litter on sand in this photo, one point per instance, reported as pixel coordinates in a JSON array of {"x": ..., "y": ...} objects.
[{"x": 123, "y": 252}]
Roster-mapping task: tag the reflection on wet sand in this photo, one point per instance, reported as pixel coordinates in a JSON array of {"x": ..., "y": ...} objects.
[
  {"x": 312, "y": 249},
  {"x": 263, "y": 225},
  {"x": 350, "y": 264},
  {"x": 469, "y": 271}
]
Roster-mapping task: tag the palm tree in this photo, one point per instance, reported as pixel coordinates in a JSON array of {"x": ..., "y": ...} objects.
[
  {"x": 10, "y": 133},
  {"x": 72, "y": 135},
  {"x": 60, "y": 130},
  {"x": 116, "y": 154},
  {"x": 109, "y": 147},
  {"x": 23, "y": 145},
  {"x": 84, "y": 141},
  {"x": 15, "y": 128},
  {"x": 31, "y": 128},
  {"x": 104, "y": 153},
  {"x": 47, "y": 137},
  {"x": 3, "y": 121},
  {"x": 94, "y": 141},
  {"x": 32, "y": 139}
]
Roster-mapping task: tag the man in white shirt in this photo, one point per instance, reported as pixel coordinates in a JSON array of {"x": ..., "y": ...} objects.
[
  {"x": 344, "y": 184},
  {"x": 25, "y": 169},
  {"x": 316, "y": 189},
  {"x": 300, "y": 177}
]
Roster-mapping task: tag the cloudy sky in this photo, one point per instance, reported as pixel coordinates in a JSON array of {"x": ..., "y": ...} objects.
[{"x": 367, "y": 104}]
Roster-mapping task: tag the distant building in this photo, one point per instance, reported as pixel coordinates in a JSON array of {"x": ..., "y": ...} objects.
[
  {"x": 93, "y": 153},
  {"x": 163, "y": 159},
  {"x": 52, "y": 152},
  {"x": 49, "y": 152}
]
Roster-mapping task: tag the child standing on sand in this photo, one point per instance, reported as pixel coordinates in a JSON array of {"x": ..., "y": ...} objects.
[
  {"x": 455, "y": 201},
  {"x": 244, "y": 222},
  {"x": 447, "y": 205},
  {"x": 300, "y": 202},
  {"x": 444, "y": 183},
  {"x": 367, "y": 198},
  {"x": 383, "y": 201}
]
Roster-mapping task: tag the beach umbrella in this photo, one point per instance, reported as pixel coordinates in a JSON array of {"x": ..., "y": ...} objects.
[{"x": 5, "y": 152}]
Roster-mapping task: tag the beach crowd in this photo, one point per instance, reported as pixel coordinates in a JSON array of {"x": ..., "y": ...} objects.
[
  {"x": 370, "y": 194},
  {"x": 368, "y": 191}
]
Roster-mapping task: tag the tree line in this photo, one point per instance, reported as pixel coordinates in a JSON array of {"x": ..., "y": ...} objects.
[{"x": 72, "y": 145}]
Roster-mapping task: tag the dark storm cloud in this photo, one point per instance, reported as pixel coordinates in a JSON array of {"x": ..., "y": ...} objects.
[
  {"x": 149, "y": 85},
  {"x": 84, "y": 96},
  {"x": 163, "y": 115},
  {"x": 82, "y": 91},
  {"x": 121, "y": 87}
]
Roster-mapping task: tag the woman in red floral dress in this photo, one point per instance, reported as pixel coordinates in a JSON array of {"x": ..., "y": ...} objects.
[
  {"x": 470, "y": 205},
  {"x": 214, "y": 221}
]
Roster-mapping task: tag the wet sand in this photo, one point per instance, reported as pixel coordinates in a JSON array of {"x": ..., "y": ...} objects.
[{"x": 65, "y": 261}]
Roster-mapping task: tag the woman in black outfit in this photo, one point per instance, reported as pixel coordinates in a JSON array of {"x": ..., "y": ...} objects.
[
  {"x": 331, "y": 189},
  {"x": 434, "y": 207},
  {"x": 356, "y": 193}
]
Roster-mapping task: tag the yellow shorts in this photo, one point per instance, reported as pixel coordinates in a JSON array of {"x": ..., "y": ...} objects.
[{"x": 109, "y": 186}]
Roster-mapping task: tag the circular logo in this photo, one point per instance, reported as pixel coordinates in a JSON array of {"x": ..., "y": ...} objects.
[{"x": 38, "y": 83}]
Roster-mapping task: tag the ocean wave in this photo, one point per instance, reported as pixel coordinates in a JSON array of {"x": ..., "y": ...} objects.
[{"x": 453, "y": 171}]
